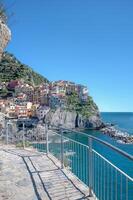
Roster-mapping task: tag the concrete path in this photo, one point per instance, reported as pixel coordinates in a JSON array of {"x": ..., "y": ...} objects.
[{"x": 30, "y": 175}]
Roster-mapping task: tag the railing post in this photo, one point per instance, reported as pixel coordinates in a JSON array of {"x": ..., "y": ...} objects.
[
  {"x": 90, "y": 166},
  {"x": 62, "y": 149},
  {"x": 23, "y": 135},
  {"x": 47, "y": 142},
  {"x": 7, "y": 133}
]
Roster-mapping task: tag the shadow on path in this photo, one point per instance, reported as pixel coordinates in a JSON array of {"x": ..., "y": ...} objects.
[{"x": 27, "y": 159}]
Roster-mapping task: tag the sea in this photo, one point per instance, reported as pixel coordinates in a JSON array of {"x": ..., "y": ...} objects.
[
  {"x": 124, "y": 122},
  {"x": 108, "y": 183}
]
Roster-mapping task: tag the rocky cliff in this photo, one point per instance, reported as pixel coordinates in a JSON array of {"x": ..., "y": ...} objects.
[
  {"x": 5, "y": 36},
  {"x": 76, "y": 114},
  {"x": 72, "y": 119}
]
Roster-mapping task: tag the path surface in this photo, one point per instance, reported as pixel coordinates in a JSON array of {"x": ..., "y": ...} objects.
[{"x": 30, "y": 175}]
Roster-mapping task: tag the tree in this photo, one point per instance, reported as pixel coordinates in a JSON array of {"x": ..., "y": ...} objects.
[{"x": 73, "y": 101}]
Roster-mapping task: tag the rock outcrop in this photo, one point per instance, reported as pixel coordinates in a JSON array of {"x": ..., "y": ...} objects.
[
  {"x": 72, "y": 120},
  {"x": 5, "y": 36},
  {"x": 120, "y": 136}
]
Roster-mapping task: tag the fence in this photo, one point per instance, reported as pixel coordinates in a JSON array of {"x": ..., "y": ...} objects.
[
  {"x": 105, "y": 169},
  {"x": 105, "y": 180}
]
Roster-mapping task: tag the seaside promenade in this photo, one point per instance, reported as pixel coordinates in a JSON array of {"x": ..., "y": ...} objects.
[
  {"x": 31, "y": 175},
  {"x": 54, "y": 166}
]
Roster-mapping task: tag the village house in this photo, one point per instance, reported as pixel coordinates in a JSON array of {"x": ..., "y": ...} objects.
[
  {"x": 44, "y": 88},
  {"x": 33, "y": 109},
  {"x": 36, "y": 96},
  {"x": 82, "y": 92},
  {"x": 56, "y": 101},
  {"x": 44, "y": 100},
  {"x": 29, "y": 109},
  {"x": 21, "y": 99},
  {"x": 26, "y": 89},
  {"x": 12, "y": 110},
  {"x": 71, "y": 88},
  {"x": 41, "y": 95},
  {"x": 21, "y": 111},
  {"x": 58, "y": 88}
]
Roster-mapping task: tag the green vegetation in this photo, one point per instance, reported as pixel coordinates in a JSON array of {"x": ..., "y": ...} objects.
[
  {"x": 12, "y": 69},
  {"x": 3, "y": 92},
  {"x": 86, "y": 109}
]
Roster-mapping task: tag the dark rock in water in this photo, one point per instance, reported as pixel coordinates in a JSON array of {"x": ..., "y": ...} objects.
[
  {"x": 108, "y": 124},
  {"x": 103, "y": 125}
]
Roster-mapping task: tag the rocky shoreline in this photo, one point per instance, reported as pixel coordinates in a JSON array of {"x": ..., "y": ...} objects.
[
  {"x": 107, "y": 129},
  {"x": 120, "y": 136}
]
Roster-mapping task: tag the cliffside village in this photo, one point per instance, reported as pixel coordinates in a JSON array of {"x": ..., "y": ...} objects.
[{"x": 28, "y": 101}]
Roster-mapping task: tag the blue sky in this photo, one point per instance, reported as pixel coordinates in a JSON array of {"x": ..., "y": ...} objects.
[{"x": 86, "y": 41}]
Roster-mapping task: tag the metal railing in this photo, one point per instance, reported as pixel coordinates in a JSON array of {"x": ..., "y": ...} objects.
[
  {"x": 105, "y": 179},
  {"x": 104, "y": 168}
]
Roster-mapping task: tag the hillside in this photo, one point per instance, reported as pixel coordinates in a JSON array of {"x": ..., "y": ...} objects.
[
  {"x": 86, "y": 109},
  {"x": 11, "y": 69},
  {"x": 74, "y": 114}
]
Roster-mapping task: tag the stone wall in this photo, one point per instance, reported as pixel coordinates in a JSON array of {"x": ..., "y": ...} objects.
[{"x": 5, "y": 36}]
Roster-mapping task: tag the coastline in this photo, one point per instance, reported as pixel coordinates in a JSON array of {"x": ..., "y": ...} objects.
[
  {"x": 111, "y": 131},
  {"x": 118, "y": 135}
]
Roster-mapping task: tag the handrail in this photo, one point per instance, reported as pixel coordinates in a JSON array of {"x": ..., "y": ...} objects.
[
  {"x": 103, "y": 178},
  {"x": 72, "y": 140},
  {"x": 101, "y": 141},
  {"x": 130, "y": 178},
  {"x": 100, "y": 174}
]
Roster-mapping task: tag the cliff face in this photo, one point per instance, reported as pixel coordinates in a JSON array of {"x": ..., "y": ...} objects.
[
  {"x": 72, "y": 119},
  {"x": 76, "y": 114},
  {"x": 5, "y": 36}
]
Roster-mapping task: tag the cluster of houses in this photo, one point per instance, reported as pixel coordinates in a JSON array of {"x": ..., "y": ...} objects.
[{"x": 30, "y": 101}]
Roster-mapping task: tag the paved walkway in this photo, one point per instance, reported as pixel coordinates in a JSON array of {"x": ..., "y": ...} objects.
[{"x": 30, "y": 175}]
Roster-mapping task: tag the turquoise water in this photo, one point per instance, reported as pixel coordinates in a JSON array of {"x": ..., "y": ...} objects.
[
  {"x": 104, "y": 176},
  {"x": 105, "y": 184},
  {"x": 124, "y": 121}
]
